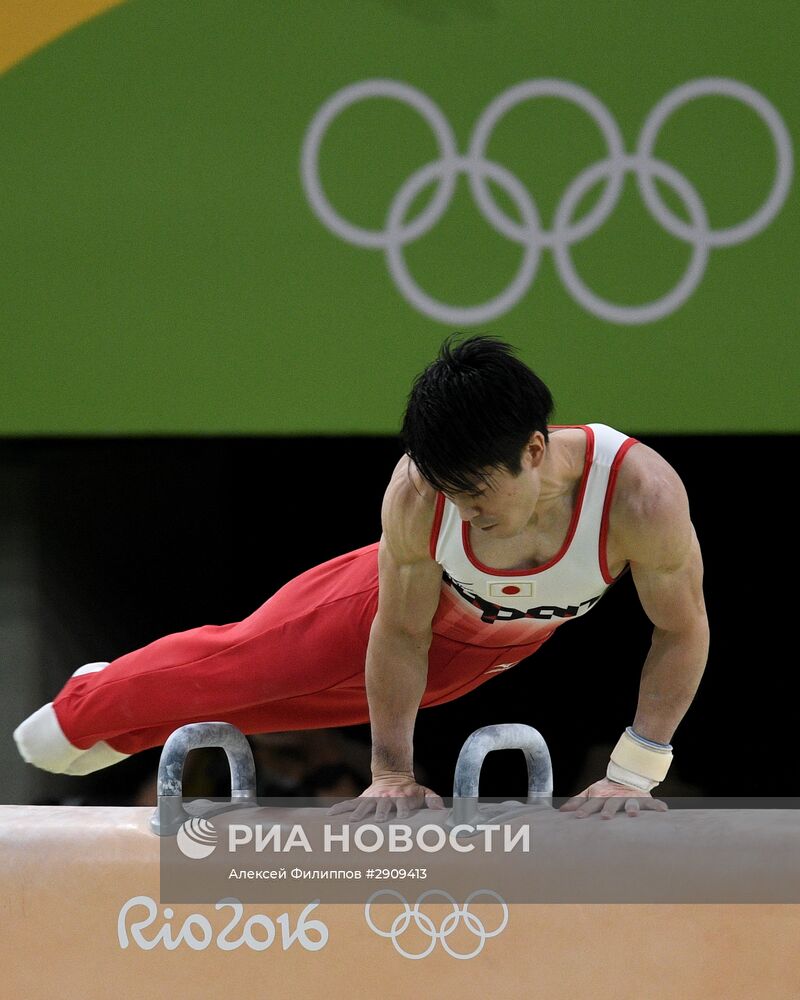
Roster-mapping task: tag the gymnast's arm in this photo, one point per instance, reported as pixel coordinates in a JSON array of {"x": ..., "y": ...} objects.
[
  {"x": 651, "y": 527},
  {"x": 409, "y": 585}
]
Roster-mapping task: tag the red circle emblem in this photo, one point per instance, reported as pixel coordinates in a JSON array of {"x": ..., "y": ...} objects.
[{"x": 510, "y": 589}]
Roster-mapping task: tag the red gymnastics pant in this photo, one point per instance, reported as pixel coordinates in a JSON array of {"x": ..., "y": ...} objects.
[{"x": 295, "y": 663}]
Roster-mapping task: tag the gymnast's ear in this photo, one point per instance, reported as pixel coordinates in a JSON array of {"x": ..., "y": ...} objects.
[{"x": 533, "y": 453}]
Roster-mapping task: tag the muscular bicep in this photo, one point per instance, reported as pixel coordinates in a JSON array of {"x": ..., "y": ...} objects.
[
  {"x": 658, "y": 539},
  {"x": 409, "y": 580},
  {"x": 671, "y": 591},
  {"x": 408, "y": 591}
]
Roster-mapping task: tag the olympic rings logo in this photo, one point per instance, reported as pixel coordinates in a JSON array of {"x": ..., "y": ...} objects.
[
  {"x": 398, "y": 232},
  {"x": 427, "y": 926}
]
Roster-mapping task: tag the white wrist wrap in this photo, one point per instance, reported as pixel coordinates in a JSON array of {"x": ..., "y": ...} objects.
[{"x": 638, "y": 762}]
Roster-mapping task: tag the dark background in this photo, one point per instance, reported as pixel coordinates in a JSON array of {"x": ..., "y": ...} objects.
[{"x": 137, "y": 538}]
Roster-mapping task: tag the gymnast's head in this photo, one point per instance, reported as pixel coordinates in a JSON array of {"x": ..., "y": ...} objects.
[{"x": 475, "y": 412}]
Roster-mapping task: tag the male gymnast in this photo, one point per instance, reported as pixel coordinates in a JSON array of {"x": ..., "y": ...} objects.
[{"x": 497, "y": 530}]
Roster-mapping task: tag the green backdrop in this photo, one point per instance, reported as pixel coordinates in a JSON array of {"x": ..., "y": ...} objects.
[{"x": 163, "y": 268}]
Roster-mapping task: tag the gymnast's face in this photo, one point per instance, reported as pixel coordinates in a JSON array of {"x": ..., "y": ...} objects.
[{"x": 506, "y": 505}]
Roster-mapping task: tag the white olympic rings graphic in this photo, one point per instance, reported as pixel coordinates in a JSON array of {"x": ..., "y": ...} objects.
[
  {"x": 530, "y": 234},
  {"x": 427, "y": 926}
]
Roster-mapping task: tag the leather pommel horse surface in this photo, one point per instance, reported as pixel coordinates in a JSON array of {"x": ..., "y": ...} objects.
[{"x": 81, "y": 918}]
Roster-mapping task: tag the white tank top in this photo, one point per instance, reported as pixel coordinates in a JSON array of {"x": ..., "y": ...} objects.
[{"x": 495, "y": 607}]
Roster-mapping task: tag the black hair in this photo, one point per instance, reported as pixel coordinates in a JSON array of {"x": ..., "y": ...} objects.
[{"x": 472, "y": 410}]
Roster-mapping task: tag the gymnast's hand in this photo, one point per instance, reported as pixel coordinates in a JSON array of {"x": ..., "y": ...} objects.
[
  {"x": 388, "y": 792},
  {"x": 608, "y": 797}
]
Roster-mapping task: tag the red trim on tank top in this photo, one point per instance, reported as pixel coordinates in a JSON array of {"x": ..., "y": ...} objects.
[
  {"x": 573, "y": 524},
  {"x": 437, "y": 524},
  {"x": 624, "y": 448}
]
